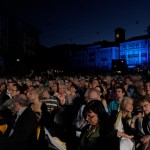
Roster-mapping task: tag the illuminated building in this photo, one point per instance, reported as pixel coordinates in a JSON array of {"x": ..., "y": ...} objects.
[
  {"x": 136, "y": 51},
  {"x": 124, "y": 54}
]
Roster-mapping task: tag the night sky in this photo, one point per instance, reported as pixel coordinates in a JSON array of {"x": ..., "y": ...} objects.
[{"x": 81, "y": 21}]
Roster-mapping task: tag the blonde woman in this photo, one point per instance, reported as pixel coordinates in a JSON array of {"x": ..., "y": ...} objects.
[
  {"x": 122, "y": 125},
  {"x": 43, "y": 117}
]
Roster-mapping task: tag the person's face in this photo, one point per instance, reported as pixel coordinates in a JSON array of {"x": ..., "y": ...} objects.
[
  {"x": 95, "y": 83},
  {"x": 15, "y": 106},
  {"x": 9, "y": 86},
  {"x": 119, "y": 93},
  {"x": 128, "y": 81},
  {"x": 55, "y": 87},
  {"x": 62, "y": 89},
  {"x": 72, "y": 89},
  {"x": 45, "y": 94},
  {"x": 93, "y": 95},
  {"x": 66, "y": 82},
  {"x": 2, "y": 87},
  {"x": 28, "y": 83},
  {"x": 14, "y": 91},
  {"x": 92, "y": 118},
  {"x": 113, "y": 82},
  {"x": 147, "y": 88},
  {"x": 128, "y": 106},
  {"x": 31, "y": 96},
  {"x": 50, "y": 83},
  {"x": 98, "y": 88},
  {"x": 146, "y": 107},
  {"x": 142, "y": 92},
  {"x": 126, "y": 87}
]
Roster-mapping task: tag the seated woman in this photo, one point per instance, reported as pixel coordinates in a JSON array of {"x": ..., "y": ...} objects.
[
  {"x": 43, "y": 117},
  {"x": 94, "y": 134},
  {"x": 122, "y": 131}
]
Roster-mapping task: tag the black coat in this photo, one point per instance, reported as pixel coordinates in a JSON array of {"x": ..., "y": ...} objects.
[
  {"x": 24, "y": 135},
  {"x": 102, "y": 142},
  {"x": 114, "y": 140}
]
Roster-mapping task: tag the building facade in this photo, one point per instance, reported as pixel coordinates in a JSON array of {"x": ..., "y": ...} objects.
[
  {"x": 135, "y": 52},
  {"x": 131, "y": 53},
  {"x": 19, "y": 42}
]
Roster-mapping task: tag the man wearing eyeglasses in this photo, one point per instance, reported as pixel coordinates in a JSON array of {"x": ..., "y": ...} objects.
[
  {"x": 21, "y": 133},
  {"x": 7, "y": 109}
]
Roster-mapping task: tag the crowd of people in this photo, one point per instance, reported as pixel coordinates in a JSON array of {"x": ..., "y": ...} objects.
[{"x": 80, "y": 112}]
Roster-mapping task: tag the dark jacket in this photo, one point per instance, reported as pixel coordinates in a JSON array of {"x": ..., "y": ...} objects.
[
  {"x": 114, "y": 140},
  {"x": 97, "y": 139},
  {"x": 24, "y": 135}
]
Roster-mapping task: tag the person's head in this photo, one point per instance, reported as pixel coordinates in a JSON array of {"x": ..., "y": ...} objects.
[
  {"x": 35, "y": 95},
  {"x": 55, "y": 87},
  {"x": 9, "y": 85},
  {"x": 120, "y": 92},
  {"x": 147, "y": 87},
  {"x": 45, "y": 92},
  {"x": 104, "y": 85},
  {"x": 73, "y": 88},
  {"x": 50, "y": 83},
  {"x": 128, "y": 80},
  {"x": 76, "y": 81},
  {"x": 62, "y": 88},
  {"x": 94, "y": 83},
  {"x": 126, "y": 87},
  {"x": 144, "y": 103},
  {"x": 94, "y": 112},
  {"x": 68, "y": 83},
  {"x": 3, "y": 87},
  {"x": 86, "y": 95},
  {"x": 98, "y": 88},
  {"x": 127, "y": 104},
  {"x": 20, "y": 101},
  {"x": 28, "y": 82},
  {"x": 93, "y": 94},
  {"x": 141, "y": 91},
  {"x": 16, "y": 89}
]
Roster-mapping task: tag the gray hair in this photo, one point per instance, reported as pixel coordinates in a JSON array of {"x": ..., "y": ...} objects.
[{"x": 22, "y": 99}]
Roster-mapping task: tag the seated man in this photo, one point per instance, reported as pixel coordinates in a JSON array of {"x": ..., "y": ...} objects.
[
  {"x": 142, "y": 123},
  {"x": 21, "y": 133},
  {"x": 51, "y": 102},
  {"x": 145, "y": 122}
]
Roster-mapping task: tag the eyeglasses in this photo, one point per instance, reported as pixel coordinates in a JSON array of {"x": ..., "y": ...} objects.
[
  {"x": 90, "y": 117},
  {"x": 14, "y": 90}
]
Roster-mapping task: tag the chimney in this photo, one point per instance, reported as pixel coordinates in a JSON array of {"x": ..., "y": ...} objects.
[
  {"x": 119, "y": 35},
  {"x": 148, "y": 30}
]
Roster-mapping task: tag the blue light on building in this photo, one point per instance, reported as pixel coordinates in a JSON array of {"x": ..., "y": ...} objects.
[{"x": 135, "y": 53}]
